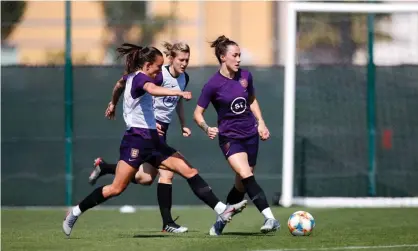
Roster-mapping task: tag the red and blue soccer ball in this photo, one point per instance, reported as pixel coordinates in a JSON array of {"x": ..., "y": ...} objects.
[{"x": 301, "y": 223}]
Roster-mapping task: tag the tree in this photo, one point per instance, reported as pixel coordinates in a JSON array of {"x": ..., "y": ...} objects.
[
  {"x": 122, "y": 16},
  {"x": 340, "y": 33},
  {"x": 11, "y": 14},
  {"x": 58, "y": 58}
]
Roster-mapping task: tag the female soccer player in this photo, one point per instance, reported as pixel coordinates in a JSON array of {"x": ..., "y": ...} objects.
[
  {"x": 141, "y": 142},
  {"x": 173, "y": 76},
  {"x": 240, "y": 124}
]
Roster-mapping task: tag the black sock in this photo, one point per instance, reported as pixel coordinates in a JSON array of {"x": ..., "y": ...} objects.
[
  {"x": 203, "y": 191},
  {"x": 255, "y": 193},
  {"x": 164, "y": 195},
  {"x": 106, "y": 168},
  {"x": 92, "y": 200},
  {"x": 234, "y": 196}
]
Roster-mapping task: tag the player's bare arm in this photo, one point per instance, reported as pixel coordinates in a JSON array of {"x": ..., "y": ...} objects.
[
  {"x": 180, "y": 113},
  {"x": 116, "y": 93},
  {"x": 200, "y": 121},
  {"x": 255, "y": 109},
  {"x": 155, "y": 90},
  {"x": 118, "y": 90}
]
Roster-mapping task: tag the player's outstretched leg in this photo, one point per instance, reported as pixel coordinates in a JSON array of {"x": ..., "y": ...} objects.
[
  {"x": 123, "y": 176},
  {"x": 145, "y": 176}
]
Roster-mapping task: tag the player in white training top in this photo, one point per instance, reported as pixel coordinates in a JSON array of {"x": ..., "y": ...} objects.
[{"x": 174, "y": 77}]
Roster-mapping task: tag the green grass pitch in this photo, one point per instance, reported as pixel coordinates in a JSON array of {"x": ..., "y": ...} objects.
[{"x": 101, "y": 230}]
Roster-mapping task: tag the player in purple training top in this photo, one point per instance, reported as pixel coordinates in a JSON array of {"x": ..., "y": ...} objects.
[
  {"x": 173, "y": 76},
  {"x": 240, "y": 125},
  {"x": 141, "y": 142}
]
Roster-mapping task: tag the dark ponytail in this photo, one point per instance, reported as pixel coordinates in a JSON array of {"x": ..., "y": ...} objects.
[{"x": 136, "y": 56}]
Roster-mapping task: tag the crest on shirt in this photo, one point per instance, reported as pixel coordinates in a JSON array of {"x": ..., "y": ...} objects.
[
  {"x": 134, "y": 152},
  {"x": 243, "y": 82}
]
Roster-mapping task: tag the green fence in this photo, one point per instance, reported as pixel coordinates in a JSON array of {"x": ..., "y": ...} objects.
[{"x": 331, "y": 134}]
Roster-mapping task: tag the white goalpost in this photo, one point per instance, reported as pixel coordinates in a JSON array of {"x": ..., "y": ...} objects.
[{"x": 287, "y": 198}]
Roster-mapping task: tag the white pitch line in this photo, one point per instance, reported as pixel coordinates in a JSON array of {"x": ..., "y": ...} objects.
[{"x": 344, "y": 248}]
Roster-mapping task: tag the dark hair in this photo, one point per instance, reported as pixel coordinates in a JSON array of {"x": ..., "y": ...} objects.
[
  {"x": 136, "y": 56},
  {"x": 221, "y": 46}
]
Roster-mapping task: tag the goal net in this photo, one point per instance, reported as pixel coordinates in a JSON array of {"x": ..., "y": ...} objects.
[{"x": 350, "y": 133}]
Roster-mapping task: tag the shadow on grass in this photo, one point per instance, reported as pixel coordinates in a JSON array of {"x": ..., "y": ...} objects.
[
  {"x": 247, "y": 234},
  {"x": 150, "y": 236}
]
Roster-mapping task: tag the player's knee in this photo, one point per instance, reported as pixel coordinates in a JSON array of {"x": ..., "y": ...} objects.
[
  {"x": 145, "y": 180},
  {"x": 165, "y": 180},
  {"x": 189, "y": 172},
  {"x": 115, "y": 190},
  {"x": 245, "y": 173},
  {"x": 166, "y": 177},
  {"x": 185, "y": 169},
  {"x": 145, "y": 177}
]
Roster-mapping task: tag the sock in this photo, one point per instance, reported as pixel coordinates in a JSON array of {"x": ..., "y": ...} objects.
[
  {"x": 234, "y": 196},
  {"x": 267, "y": 213},
  {"x": 219, "y": 208},
  {"x": 203, "y": 191},
  {"x": 164, "y": 195},
  {"x": 76, "y": 211},
  {"x": 106, "y": 168},
  {"x": 255, "y": 193},
  {"x": 92, "y": 200}
]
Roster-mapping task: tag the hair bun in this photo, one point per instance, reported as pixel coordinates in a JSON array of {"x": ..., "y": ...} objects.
[{"x": 220, "y": 40}]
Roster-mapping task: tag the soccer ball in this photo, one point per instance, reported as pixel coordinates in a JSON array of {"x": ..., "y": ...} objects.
[{"x": 301, "y": 223}]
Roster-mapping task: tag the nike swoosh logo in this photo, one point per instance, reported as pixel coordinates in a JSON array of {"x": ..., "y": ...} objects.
[{"x": 132, "y": 159}]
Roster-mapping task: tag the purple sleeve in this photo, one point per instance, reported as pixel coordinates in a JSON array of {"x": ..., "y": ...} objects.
[
  {"x": 250, "y": 88},
  {"x": 138, "y": 83},
  {"x": 125, "y": 77},
  {"x": 159, "y": 79},
  {"x": 206, "y": 95}
]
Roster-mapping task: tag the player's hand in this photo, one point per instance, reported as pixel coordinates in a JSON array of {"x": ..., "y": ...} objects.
[
  {"x": 160, "y": 129},
  {"x": 263, "y": 131},
  {"x": 186, "y": 95},
  {"x": 212, "y": 132},
  {"x": 186, "y": 131},
  {"x": 110, "y": 111}
]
